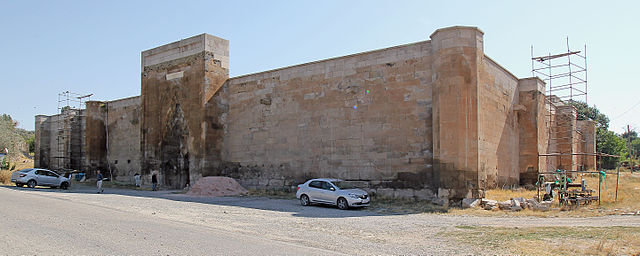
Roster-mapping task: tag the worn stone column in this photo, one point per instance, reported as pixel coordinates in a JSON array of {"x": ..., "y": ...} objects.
[
  {"x": 95, "y": 146},
  {"x": 41, "y": 141},
  {"x": 457, "y": 53},
  {"x": 531, "y": 122}
]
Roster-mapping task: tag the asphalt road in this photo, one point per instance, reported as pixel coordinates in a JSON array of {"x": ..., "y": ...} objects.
[{"x": 37, "y": 223}]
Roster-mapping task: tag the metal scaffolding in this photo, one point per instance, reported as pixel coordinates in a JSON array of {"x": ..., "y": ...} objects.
[
  {"x": 565, "y": 76},
  {"x": 70, "y": 106}
]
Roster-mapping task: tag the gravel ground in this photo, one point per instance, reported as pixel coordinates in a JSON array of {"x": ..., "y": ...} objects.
[{"x": 357, "y": 231}]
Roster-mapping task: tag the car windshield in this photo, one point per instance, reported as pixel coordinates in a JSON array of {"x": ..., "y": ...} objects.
[
  {"x": 25, "y": 170},
  {"x": 343, "y": 185}
]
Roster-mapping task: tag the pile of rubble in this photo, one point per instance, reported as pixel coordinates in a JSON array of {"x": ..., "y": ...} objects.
[{"x": 514, "y": 204}]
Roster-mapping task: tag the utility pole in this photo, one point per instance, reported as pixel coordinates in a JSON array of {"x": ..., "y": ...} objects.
[{"x": 629, "y": 146}]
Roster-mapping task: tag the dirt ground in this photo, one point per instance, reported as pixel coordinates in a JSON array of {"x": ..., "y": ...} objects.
[
  {"x": 390, "y": 226},
  {"x": 367, "y": 231}
]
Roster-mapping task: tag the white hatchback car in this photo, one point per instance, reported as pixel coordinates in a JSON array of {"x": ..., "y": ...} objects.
[
  {"x": 33, "y": 177},
  {"x": 333, "y": 192}
]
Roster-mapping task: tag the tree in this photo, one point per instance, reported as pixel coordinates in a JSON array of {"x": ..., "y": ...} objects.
[
  {"x": 633, "y": 134},
  {"x": 607, "y": 142},
  {"x": 29, "y": 138},
  {"x": 592, "y": 113},
  {"x": 10, "y": 137},
  {"x": 635, "y": 148},
  {"x": 31, "y": 143}
]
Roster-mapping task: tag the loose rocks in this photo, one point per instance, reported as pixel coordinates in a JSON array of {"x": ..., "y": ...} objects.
[
  {"x": 488, "y": 204},
  {"x": 470, "y": 202},
  {"x": 515, "y": 204}
]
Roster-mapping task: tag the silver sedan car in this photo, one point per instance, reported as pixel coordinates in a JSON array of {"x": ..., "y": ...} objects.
[
  {"x": 332, "y": 192},
  {"x": 33, "y": 177}
]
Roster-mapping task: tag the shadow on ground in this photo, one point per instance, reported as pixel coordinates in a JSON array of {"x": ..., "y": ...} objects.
[{"x": 387, "y": 207}]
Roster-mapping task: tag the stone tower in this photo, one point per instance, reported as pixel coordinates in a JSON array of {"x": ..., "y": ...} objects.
[
  {"x": 178, "y": 80},
  {"x": 457, "y": 57}
]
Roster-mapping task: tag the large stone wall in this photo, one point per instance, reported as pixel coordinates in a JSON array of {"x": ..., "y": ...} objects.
[
  {"x": 364, "y": 117},
  {"x": 77, "y": 139},
  {"x": 123, "y": 137},
  {"x": 498, "y": 130},
  {"x": 434, "y": 120}
]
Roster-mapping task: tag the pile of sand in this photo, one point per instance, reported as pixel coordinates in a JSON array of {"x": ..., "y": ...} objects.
[{"x": 216, "y": 186}]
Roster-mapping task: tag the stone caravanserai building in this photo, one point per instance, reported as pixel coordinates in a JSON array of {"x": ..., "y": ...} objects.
[{"x": 436, "y": 119}]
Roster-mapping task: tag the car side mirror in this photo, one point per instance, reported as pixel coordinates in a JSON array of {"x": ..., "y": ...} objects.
[{"x": 332, "y": 189}]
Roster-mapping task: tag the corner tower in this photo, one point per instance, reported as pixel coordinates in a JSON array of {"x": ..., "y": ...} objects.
[{"x": 457, "y": 55}]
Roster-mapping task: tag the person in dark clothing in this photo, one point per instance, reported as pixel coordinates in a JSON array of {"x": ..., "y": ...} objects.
[
  {"x": 99, "y": 179},
  {"x": 154, "y": 181}
]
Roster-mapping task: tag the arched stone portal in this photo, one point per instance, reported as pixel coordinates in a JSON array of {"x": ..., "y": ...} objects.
[{"x": 175, "y": 155}]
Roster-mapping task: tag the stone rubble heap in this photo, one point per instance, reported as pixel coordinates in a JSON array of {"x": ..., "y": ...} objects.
[{"x": 514, "y": 204}]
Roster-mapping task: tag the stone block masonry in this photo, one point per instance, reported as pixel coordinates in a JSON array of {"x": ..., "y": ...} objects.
[
  {"x": 178, "y": 80},
  {"x": 435, "y": 119}
]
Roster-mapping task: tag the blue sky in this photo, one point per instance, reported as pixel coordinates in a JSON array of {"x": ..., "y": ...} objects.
[{"x": 48, "y": 47}]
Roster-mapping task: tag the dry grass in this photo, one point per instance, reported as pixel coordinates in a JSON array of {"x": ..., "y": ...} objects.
[
  {"x": 552, "y": 240},
  {"x": 628, "y": 199},
  {"x": 628, "y": 192},
  {"x": 5, "y": 177},
  {"x": 21, "y": 163},
  {"x": 506, "y": 194}
]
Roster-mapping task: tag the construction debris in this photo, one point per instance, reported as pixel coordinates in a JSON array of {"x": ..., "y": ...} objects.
[{"x": 568, "y": 193}]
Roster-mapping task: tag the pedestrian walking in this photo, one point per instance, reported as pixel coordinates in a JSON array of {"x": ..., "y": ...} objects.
[
  {"x": 154, "y": 182},
  {"x": 99, "y": 182},
  {"x": 136, "y": 177}
]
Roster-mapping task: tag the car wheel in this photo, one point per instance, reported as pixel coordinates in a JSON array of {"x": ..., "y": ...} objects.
[
  {"x": 343, "y": 204},
  {"x": 304, "y": 200},
  {"x": 19, "y": 185},
  {"x": 32, "y": 184},
  {"x": 64, "y": 185}
]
